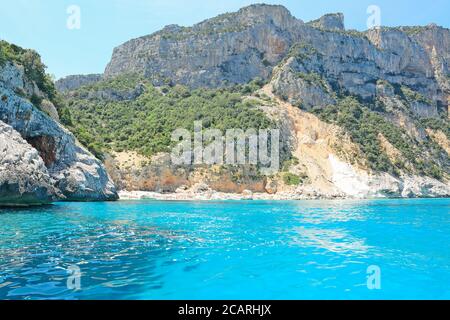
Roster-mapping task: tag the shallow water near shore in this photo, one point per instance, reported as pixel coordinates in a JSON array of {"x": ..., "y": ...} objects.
[{"x": 227, "y": 250}]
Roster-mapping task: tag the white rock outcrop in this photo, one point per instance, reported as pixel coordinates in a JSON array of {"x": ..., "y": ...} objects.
[
  {"x": 24, "y": 179},
  {"x": 75, "y": 171}
]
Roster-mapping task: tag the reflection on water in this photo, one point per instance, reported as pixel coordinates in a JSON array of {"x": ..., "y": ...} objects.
[
  {"x": 333, "y": 240},
  {"x": 120, "y": 251},
  {"x": 327, "y": 213},
  {"x": 226, "y": 250}
]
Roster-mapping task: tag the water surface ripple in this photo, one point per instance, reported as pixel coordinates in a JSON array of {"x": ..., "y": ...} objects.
[{"x": 227, "y": 250}]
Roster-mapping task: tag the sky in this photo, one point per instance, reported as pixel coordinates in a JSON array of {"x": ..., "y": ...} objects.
[{"x": 42, "y": 25}]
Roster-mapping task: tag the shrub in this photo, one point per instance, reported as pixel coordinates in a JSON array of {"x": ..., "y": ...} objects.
[
  {"x": 36, "y": 100},
  {"x": 291, "y": 179},
  {"x": 34, "y": 69},
  {"x": 412, "y": 95},
  {"x": 364, "y": 126},
  {"x": 145, "y": 125}
]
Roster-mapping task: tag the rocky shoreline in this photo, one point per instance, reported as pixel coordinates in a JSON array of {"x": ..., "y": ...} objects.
[
  {"x": 40, "y": 160},
  {"x": 220, "y": 196},
  {"x": 202, "y": 192},
  {"x": 216, "y": 196}
]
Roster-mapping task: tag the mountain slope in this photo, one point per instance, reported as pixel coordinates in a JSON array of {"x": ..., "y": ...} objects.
[
  {"x": 383, "y": 95},
  {"x": 336, "y": 164},
  {"x": 230, "y": 49},
  {"x": 234, "y": 48}
]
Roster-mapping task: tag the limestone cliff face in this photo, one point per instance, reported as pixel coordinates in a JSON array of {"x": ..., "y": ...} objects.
[
  {"x": 237, "y": 47},
  {"x": 24, "y": 179},
  {"x": 131, "y": 171},
  {"x": 335, "y": 166},
  {"x": 74, "y": 82},
  {"x": 232, "y": 48},
  {"x": 333, "y": 21},
  {"x": 75, "y": 172},
  {"x": 341, "y": 63},
  {"x": 400, "y": 74}
]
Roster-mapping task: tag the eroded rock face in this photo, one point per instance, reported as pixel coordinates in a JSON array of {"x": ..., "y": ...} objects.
[
  {"x": 402, "y": 70},
  {"x": 433, "y": 37},
  {"x": 424, "y": 187},
  {"x": 354, "y": 63},
  {"x": 332, "y": 21},
  {"x": 74, "y": 82},
  {"x": 76, "y": 172},
  {"x": 334, "y": 164},
  {"x": 24, "y": 179},
  {"x": 160, "y": 175},
  {"x": 237, "y": 47},
  {"x": 231, "y": 48},
  {"x": 301, "y": 87}
]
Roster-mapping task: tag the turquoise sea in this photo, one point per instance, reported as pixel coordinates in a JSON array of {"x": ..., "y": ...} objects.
[{"x": 227, "y": 250}]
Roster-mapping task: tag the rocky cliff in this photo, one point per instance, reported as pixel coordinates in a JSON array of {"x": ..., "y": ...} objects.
[
  {"x": 51, "y": 162},
  {"x": 74, "y": 82},
  {"x": 231, "y": 48},
  {"x": 366, "y": 113},
  {"x": 24, "y": 179},
  {"x": 237, "y": 47}
]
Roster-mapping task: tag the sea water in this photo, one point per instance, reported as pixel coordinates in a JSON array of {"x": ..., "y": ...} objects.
[{"x": 377, "y": 249}]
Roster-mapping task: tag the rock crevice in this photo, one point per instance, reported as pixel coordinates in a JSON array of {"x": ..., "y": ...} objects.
[{"x": 73, "y": 171}]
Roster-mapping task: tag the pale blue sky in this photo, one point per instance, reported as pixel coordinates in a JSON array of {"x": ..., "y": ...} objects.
[{"x": 105, "y": 24}]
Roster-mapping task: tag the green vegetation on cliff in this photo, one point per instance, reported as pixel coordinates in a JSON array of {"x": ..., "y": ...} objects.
[
  {"x": 365, "y": 125},
  {"x": 411, "y": 95},
  {"x": 437, "y": 124},
  {"x": 291, "y": 179},
  {"x": 145, "y": 124},
  {"x": 35, "y": 71},
  {"x": 33, "y": 66}
]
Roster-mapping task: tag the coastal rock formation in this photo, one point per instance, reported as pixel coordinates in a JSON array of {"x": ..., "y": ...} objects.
[
  {"x": 75, "y": 171},
  {"x": 232, "y": 48},
  {"x": 335, "y": 166},
  {"x": 361, "y": 114},
  {"x": 424, "y": 187},
  {"x": 131, "y": 171},
  {"x": 321, "y": 58},
  {"x": 327, "y": 63},
  {"x": 300, "y": 87},
  {"x": 24, "y": 179},
  {"x": 330, "y": 164},
  {"x": 332, "y": 21},
  {"x": 237, "y": 47}
]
